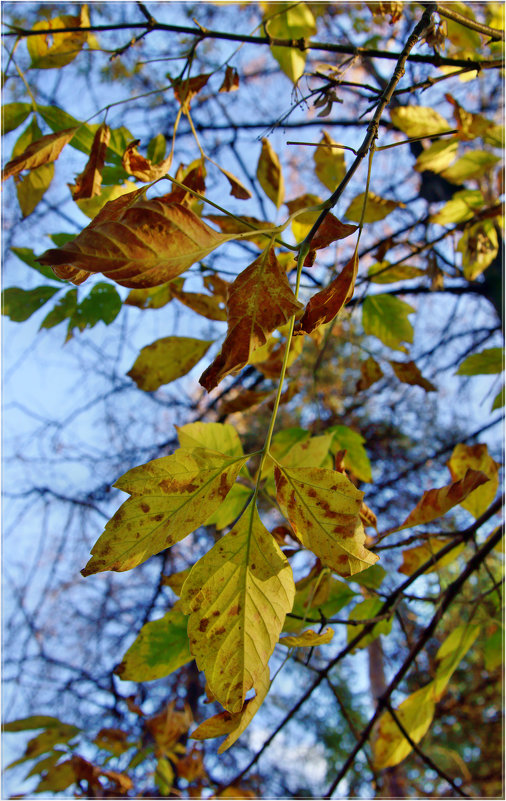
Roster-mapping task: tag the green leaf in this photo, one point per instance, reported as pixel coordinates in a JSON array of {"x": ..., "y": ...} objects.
[
  {"x": 60, "y": 240},
  {"x": 438, "y": 156},
  {"x": 383, "y": 273},
  {"x": 32, "y": 722},
  {"x": 102, "y": 304},
  {"x": 287, "y": 21},
  {"x": 377, "y": 208},
  {"x": 156, "y": 148},
  {"x": 499, "y": 399},
  {"x": 45, "y": 763},
  {"x": 419, "y": 121},
  {"x": 371, "y": 578},
  {"x": 318, "y": 594},
  {"x": 471, "y": 165},
  {"x": 220, "y": 437},
  {"x": 20, "y": 304},
  {"x": 57, "y": 119},
  {"x": 13, "y": 115},
  {"x": 164, "y": 776},
  {"x": 171, "y": 497},
  {"x": 32, "y": 187},
  {"x": 62, "y": 310},
  {"x": 386, "y": 317},
  {"x": 356, "y": 459},
  {"x": 45, "y": 741},
  {"x": 161, "y": 648},
  {"x": 493, "y": 648},
  {"x": 165, "y": 360},
  {"x": 460, "y": 208},
  {"x": 28, "y": 257},
  {"x": 57, "y": 778},
  {"x": 490, "y": 360},
  {"x": 237, "y": 596},
  {"x": 366, "y": 610},
  {"x": 231, "y": 508}
]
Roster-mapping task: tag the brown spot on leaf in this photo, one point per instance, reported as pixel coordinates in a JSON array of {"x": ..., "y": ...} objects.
[
  {"x": 145, "y": 507},
  {"x": 203, "y": 624}
]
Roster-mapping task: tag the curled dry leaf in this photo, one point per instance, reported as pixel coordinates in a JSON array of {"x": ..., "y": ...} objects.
[
  {"x": 230, "y": 81},
  {"x": 44, "y": 150},
  {"x": 238, "y": 189},
  {"x": 185, "y": 89},
  {"x": 325, "y": 305},
  {"x": 89, "y": 182},
  {"x": 260, "y": 300},
  {"x": 136, "y": 242},
  {"x": 329, "y": 231},
  {"x": 142, "y": 168}
]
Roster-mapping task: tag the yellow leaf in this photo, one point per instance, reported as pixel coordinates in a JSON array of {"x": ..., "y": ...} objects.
[
  {"x": 479, "y": 246},
  {"x": 92, "y": 205},
  {"x": 330, "y": 166},
  {"x": 171, "y": 497},
  {"x": 475, "y": 457},
  {"x": 220, "y": 437},
  {"x": 269, "y": 174},
  {"x": 136, "y": 242},
  {"x": 323, "y": 507},
  {"x": 289, "y": 21},
  {"x": 450, "y": 654},
  {"x": 383, "y": 273},
  {"x": 471, "y": 165},
  {"x": 234, "y": 724},
  {"x": 461, "y": 207},
  {"x": 413, "y": 558},
  {"x": 32, "y": 187},
  {"x": 42, "y": 151},
  {"x": 165, "y": 360},
  {"x": 237, "y": 596},
  {"x": 370, "y": 372},
  {"x": 415, "y": 713},
  {"x": 437, "y": 502},
  {"x": 377, "y": 208},
  {"x": 58, "y": 49},
  {"x": 308, "y": 639},
  {"x": 438, "y": 156},
  {"x": 419, "y": 121},
  {"x": 409, "y": 373},
  {"x": 259, "y": 300},
  {"x": 238, "y": 189},
  {"x": 154, "y": 297},
  {"x": 236, "y": 226},
  {"x": 89, "y": 182},
  {"x": 326, "y": 304}
]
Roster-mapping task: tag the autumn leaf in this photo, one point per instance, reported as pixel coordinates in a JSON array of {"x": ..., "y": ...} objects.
[
  {"x": 230, "y": 81},
  {"x": 370, "y": 372},
  {"x": 260, "y": 300},
  {"x": 55, "y": 50},
  {"x": 43, "y": 151},
  {"x": 437, "y": 502},
  {"x": 418, "y": 121},
  {"x": 207, "y": 306},
  {"x": 171, "y": 497},
  {"x": 220, "y": 437},
  {"x": 142, "y": 168},
  {"x": 384, "y": 273},
  {"x": 475, "y": 458},
  {"x": 308, "y": 639},
  {"x": 269, "y": 174},
  {"x": 329, "y": 231},
  {"x": 409, "y": 373},
  {"x": 377, "y": 208},
  {"x": 243, "y": 225},
  {"x": 185, "y": 89},
  {"x": 136, "y": 242},
  {"x": 238, "y": 189},
  {"x": 323, "y": 507},
  {"x": 165, "y": 360},
  {"x": 413, "y": 558},
  {"x": 325, "y": 305},
  {"x": 89, "y": 182},
  {"x": 286, "y": 21},
  {"x": 237, "y": 596},
  {"x": 330, "y": 166}
]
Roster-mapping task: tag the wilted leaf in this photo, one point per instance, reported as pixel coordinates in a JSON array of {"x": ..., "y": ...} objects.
[
  {"x": 172, "y": 496},
  {"x": 471, "y": 165},
  {"x": 386, "y": 317},
  {"x": 479, "y": 246},
  {"x": 307, "y": 639},
  {"x": 58, "y": 49},
  {"x": 142, "y": 168},
  {"x": 260, "y": 300},
  {"x": 383, "y": 273},
  {"x": 409, "y": 373},
  {"x": 20, "y": 304},
  {"x": 285, "y": 21},
  {"x": 32, "y": 187},
  {"x": 13, "y": 115},
  {"x": 326, "y": 304},
  {"x": 460, "y": 208},
  {"x": 269, "y": 174},
  {"x": 475, "y": 457},
  {"x": 437, "y": 502},
  {"x": 165, "y": 360},
  {"x": 238, "y": 189},
  {"x": 323, "y": 507},
  {"x": 245, "y": 399},
  {"x": 330, "y": 166},
  {"x": 237, "y": 596},
  {"x": 44, "y": 150},
  {"x": 418, "y": 121},
  {"x": 438, "y": 156},
  {"x": 413, "y": 558},
  {"x": 370, "y": 373},
  {"x": 234, "y": 724},
  {"x": 161, "y": 648},
  {"x": 89, "y": 182},
  {"x": 377, "y": 208},
  {"x": 488, "y": 361},
  {"x": 137, "y": 242},
  {"x": 230, "y": 81}
]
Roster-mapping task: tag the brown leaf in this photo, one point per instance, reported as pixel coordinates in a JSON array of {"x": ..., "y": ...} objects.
[
  {"x": 260, "y": 300},
  {"x": 217, "y": 286},
  {"x": 89, "y": 182},
  {"x": 142, "y": 168},
  {"x": 269, "y": 174},
  {"x": 231, "y": 225},
  {"x": 244, "y": 400},
  {"x": 370, "y": 373},
  {"x": 230, "y": 81},
  {"x": 408, "y": 373},
  {"x": 136, "y": 242},
  {"x": 329, "y": 231},
  {"x": 44, "y": 150},
  {"x": 186, "y": 89},
  {"x": 325, "y": 305},
  {"x": 436, "y": 502},
  {"x": 208, "y": 306},
  {"x": 238, "y": 189}
]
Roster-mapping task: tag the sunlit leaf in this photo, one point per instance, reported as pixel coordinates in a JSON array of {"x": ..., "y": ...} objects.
[
  {"x": 286, "y": 21},
  {"x": 237, "y": 596},
  {"x": 185, "y": 89},
  {"x": 326, "y": 304},
  {"x": 329, "y": 231},
  {"x": 450, "y": 654},
  {"x": 409, "y": 373},
  {"x": 386, "y": 317},
  {"x": 330, "y": 166},
  {"x": 220, "y": 437},
  {"x": 44, "y": 150},
  {"x": 13, "y": 115},
  {"x": 165, "y": 360},
  {"x": 32, "y": 187},
  {"x": 479, "y": 246},
  {"x": 89, "y": 182},
  {"x": 460, "y": 208},
  {"x": 438, "y": 156},
  {"x": 58, "y": 49},
  {"x": 269, "y": 174},
  {"x": 356, "y": 459},
  {"x": 471, "y": 165},
  {"x": 171, "y": 497},
  {"x": 415, "y": 713},
  {"x": 418, "y": 121},
  {"x": 488, "y": 361},
  {"x": 323, "y": 508},
  {"x": 377, "y": 208},
  {"x": 207, "y": 306},
  {"x": 233, "y": 505},
  {"x": 161, "y": 648},
  {"x": 383, "y": 273},
  {"x": 475, "y": 458},
  {"x": 259, "y": 300},
  {"x": 413, "y": 558},
  {"x": 308, "y": 639}
]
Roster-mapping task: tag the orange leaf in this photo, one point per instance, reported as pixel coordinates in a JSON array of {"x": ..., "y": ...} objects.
[
  {"x": 325, "y": 305},
  {"x": 238, "y": 189},
  {"x": 437, "y": 502},
  {"x": 136, "y": 242},
  {"x": 43, "y": 151},
  {"x": 260, "y": 300},
  {"x": 230, "y": 81},
  {"x": 142, "y": 168},
  {"x": 329, "y": 231},
  {"x": 88, "y": 184}
]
